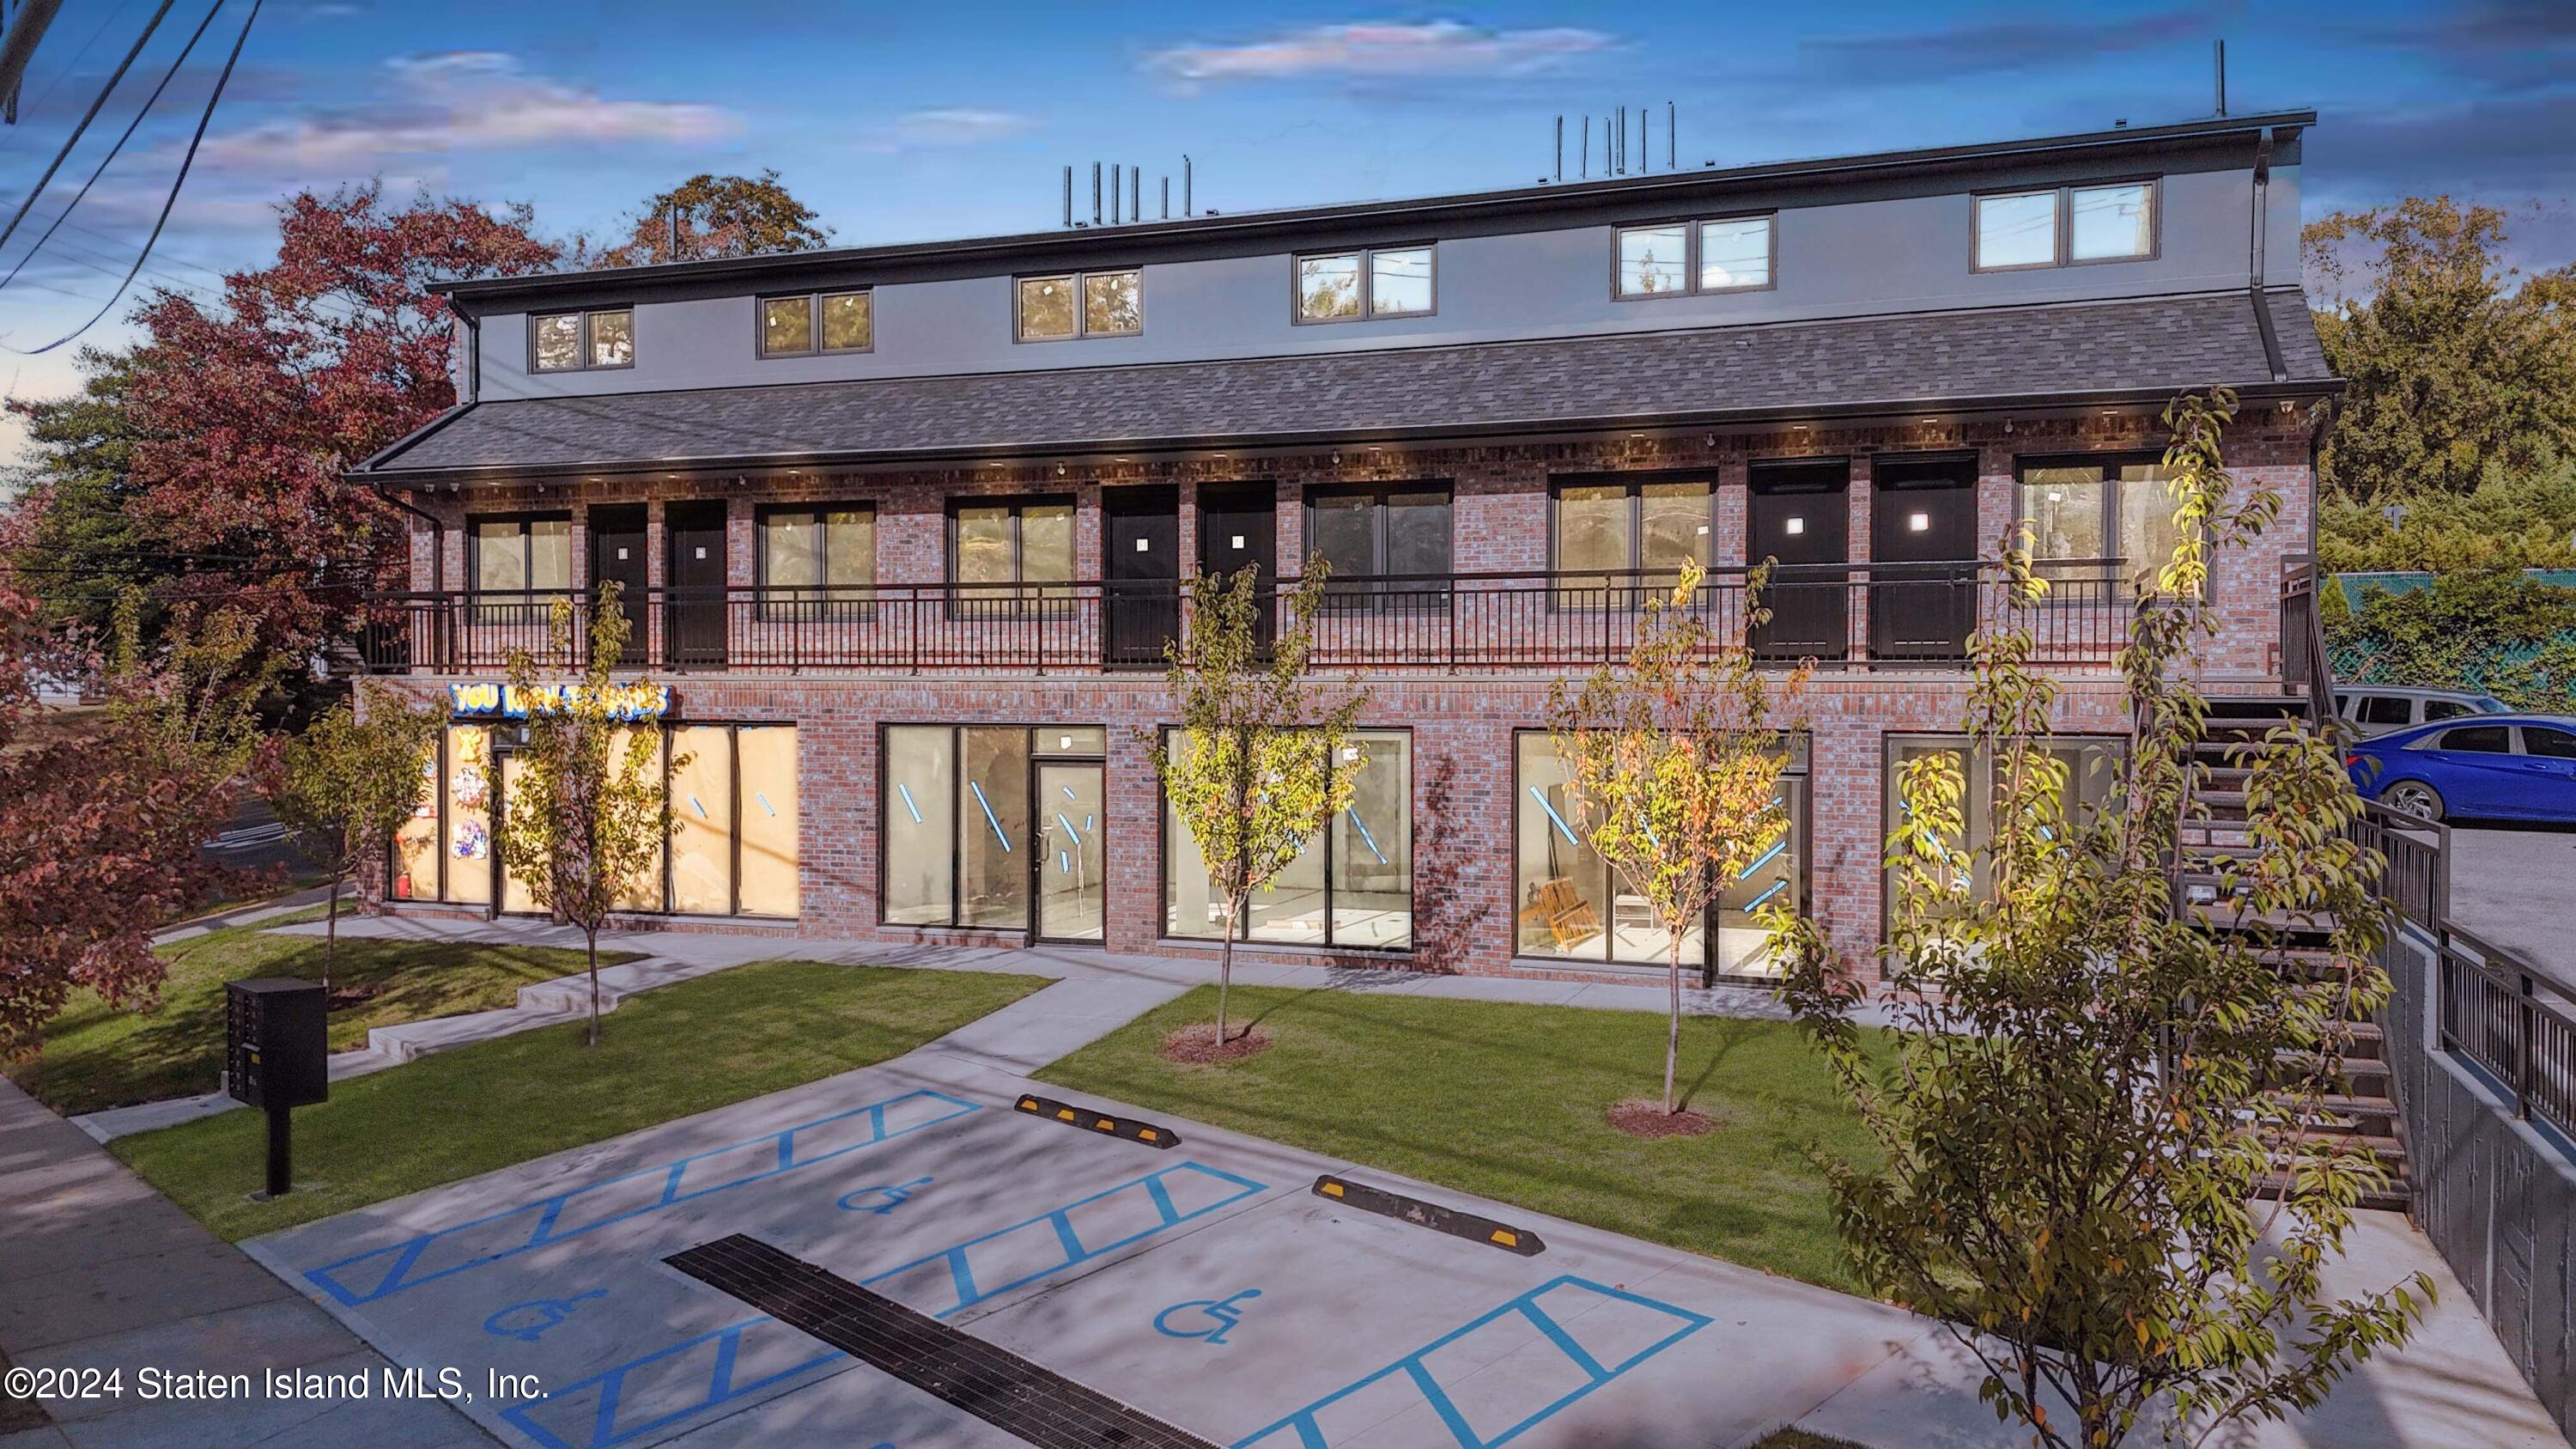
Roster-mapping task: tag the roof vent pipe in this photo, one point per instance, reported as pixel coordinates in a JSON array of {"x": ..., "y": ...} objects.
[
  {"x": 1587, "y": 148},
  {"x": 1185, "y": 184},
  {"x": 1135, "y": 193},
  {"x": 1672, "y": 138},
  {"x": 1117, "y": 175},
  {"x": 1095, "y": 193},
  {"x": 1068, "y": 197},
  {"x": 1167, "y": 198},
  {"x": 2218, "y": 63},
  {"x": 1560, "y": 148}
]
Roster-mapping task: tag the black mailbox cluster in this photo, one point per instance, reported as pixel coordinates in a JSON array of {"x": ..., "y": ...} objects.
[{"x": 276, "y": 1042}]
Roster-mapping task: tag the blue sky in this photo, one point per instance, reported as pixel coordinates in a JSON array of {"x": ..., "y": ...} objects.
[{"x": 924, "y": 120}]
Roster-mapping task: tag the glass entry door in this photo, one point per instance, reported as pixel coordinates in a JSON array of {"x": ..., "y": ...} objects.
[
  {"x": 1068, "y": 858},
  {"x": 515, "y": 896}
]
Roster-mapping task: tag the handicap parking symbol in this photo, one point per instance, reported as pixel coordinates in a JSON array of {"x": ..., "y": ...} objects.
[
  {"x": 528, "y": 1321},
  {"x": 1219, "y": 1316},
  {"x": 895, "y": 1195}
]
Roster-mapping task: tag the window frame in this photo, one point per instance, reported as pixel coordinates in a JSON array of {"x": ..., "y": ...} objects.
[
  {"x": 1690, "y": 226},
  {"x": 1800, "y": 747},
  {"x": 956, "y": 855},
  {"x": 1368, "y": 284},
  {"x": 1077, "y": 278},
  {"x": 832, "y": 609},
  {"x": 1980, "y": 766},
  {"x": 2062, "y": 250},
  {"x": 813, "y": 322},
  {"x": 1046, "y": 597},
  {"x": 1377, "y": 493},
  {"x": 2113, "y": 497},
  {"x": 529, "y": 593},
  {"x": 1636, "y": 484},
  {"x": 1243, "y": 926},
  {"x": 535, "y": 368}
]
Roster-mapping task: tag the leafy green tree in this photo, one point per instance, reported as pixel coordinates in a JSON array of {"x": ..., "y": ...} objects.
[
  {"x": 1672, "y": 767},
  {"x": 585, "y": 818},
  {"x": 2493, "y": 630},
  {"x": 2094, "y": 1176},
  {"x": 346, "y": 784},
  {"x": 2522, "y": 520},
  {"x": 73, "y": 535},
  {"x": 2462, "y": 370},
  {"x": 1257, "y": 764},
  {"x": 719, "y": 216}
]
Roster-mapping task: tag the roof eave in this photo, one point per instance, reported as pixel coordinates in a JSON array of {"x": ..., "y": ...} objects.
[{"x": 1853, "y": 412}]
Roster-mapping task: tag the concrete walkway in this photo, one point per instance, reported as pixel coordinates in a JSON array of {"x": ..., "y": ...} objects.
[
  {"x": 99, "y": 1271},
  {"x": 669, "y": 956}
]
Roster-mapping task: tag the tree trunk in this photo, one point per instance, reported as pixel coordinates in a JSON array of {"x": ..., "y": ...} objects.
[
  {"x": 591, "y": 934},
  {"x": 330, "y": 940},
  {"x": 1673, "y": 1026},
  {"x": 1225, "y": 965}
]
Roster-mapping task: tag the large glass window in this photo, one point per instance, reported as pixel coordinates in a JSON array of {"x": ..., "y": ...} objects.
[
  {"x": 578, "y": 341},
  {"x": 817, "y": 562},
  {"x": 1352, "y": 886},
  {"x": 958, "y": 820},
  {"x": 816, "y": 322},
  {"x": 1371, "y": 282},
  {"x": 2091, "y": 766},
  {"x": 1067, "y": 305},
  {"x": 1572, "y": 905},
  {"x": 518, "y": 564},
  {"x": 1399, "y": 529},
  {"x": 1011, "y": 541},
  {"x": 1673, "y": 259},
  {"x": 2105, "y": 520},
  {"x": 1619, "y": 525},
  {"x": 2064, "y": 225},
  {"x": 701, "y": 809}
]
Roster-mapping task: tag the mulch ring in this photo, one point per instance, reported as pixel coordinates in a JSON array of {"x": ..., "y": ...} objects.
[
  {"x": 1198, "y": 1044},
  {"x": 344, "y": 998},
  {"x": 1640, "y": 1118}
]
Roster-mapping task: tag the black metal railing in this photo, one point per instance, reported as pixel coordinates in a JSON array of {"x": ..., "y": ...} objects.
[
  {"x": 2503, "y": 1017},
  {"x": 1886, "y": 615}
]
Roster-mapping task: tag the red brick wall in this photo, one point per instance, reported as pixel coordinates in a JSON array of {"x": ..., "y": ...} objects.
[{"x": 1462, "y": 725}]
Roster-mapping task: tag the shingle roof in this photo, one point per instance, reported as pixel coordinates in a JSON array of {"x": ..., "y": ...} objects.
[{"x": 2142, "y": 347}]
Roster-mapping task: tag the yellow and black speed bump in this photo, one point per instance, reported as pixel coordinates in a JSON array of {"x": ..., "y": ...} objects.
[
  {"x": 1100, "y": 1122},
  {"x": 1429, "y": 1215}
]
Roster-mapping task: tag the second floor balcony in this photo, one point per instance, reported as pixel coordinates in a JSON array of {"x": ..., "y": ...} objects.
[{"x": 1843, "y": 616}]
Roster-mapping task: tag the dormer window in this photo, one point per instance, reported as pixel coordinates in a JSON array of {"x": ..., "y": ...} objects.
[
  {"x": 813, "y": 322},
  {"x": 1355, "y": 286},
  {"x": 1679, "y": 258},
  {"x": 581, "y": 341},
  {"x": 2065, "y": 226},
  {"x": 1066, "y": 305}
]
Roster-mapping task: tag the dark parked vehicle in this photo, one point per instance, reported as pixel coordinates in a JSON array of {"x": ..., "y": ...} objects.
[{"x": 2498, "y": 767}]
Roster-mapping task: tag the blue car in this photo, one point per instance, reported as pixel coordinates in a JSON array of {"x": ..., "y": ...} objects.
[{"x": 2493, "y": 766}]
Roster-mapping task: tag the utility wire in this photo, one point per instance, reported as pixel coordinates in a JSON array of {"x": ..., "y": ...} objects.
[
  {"x": 100, "y": 100},
  {"x": 72, "y": 66},
  {"x": 113, "y": 151},
  {"x": 185, "y": 163}
]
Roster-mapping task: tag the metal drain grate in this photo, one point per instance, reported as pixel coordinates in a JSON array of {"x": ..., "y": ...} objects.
[{"x": 998, "y": 1387}]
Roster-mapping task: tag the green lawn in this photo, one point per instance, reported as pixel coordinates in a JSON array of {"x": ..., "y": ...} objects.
[
  {"x": 667, "y": 1054},
  {"x": 98, "y": 1056},
  {"x": 1507, "y": 1102}
]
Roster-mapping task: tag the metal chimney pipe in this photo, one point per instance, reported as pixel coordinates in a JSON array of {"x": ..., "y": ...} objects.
[
  {"x": 675, "y": 231},
  {"x": 2218, "y": 59},
  {"x": 1560, "y": 148},
  {"x": 1167, "y": 198},
  {"x": 1587, "y": 147},
  {"x": 1621, "y": 169},
  {"x": 1095, "y": 193},
  {"x": 1068, "y": 197},
  {"x": 1185, "y": 184},
  {"x": 1135, "y": 193},
  {"x": 1672, "y": 144},
  {"x": 1115, "y": 191}
]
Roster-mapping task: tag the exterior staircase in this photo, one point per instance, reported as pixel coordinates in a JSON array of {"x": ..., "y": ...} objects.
[{"x": 2360, "y": 1112}]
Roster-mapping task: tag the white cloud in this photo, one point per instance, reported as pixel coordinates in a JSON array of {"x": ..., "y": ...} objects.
[
  {"x": 452, "y": 101},
  {"x": 1382, "y": 49},
  {"x": 946, "y": 126}
]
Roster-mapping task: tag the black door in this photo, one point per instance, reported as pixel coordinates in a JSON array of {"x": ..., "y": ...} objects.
[
  {"x": 1140, "y": 596},
  {"x": 693, "y": 618},
  {"x": 617, "y": 554},
  {"x": 1239, "y": 525},
  {"x": 1922, "y": 548},
  {"x": 1798, "y": 514}
]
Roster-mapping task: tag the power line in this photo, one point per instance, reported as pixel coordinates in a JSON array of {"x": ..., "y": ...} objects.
[
  {"x": 90, "y": 115},
  {"x": 186, "y": 163},
  {"x": 72, "y": 66},
  {"x": 114, "y": 151}
]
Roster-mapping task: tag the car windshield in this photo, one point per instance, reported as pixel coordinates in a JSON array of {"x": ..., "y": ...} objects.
[{"x": 2489, "y": 704}]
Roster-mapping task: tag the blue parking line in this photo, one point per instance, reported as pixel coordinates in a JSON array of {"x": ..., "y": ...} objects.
[
  {"x": 1415, "y": 1366},
  {"x": 1152, "y": 1191},
  {"x": 366, "y": 1287}
]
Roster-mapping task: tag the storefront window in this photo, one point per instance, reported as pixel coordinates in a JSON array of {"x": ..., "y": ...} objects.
[
  {"x": 1352, "y": 886},
  {"x": 2090, "y": 776},
  {"x": 960, "y": 828},
  {"x": 469, "y": 815},
  {"x": 1573, "y": 906},
  {"x": 415, "y": 864},
  {"x": 765, "y": 803},
  {"x": 701, "y": 807}
]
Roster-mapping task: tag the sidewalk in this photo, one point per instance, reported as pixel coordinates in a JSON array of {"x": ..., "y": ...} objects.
[{"x": 99, "y": 1271}]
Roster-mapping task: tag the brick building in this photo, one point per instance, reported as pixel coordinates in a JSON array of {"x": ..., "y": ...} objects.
[{"x": 904, "y": 526}]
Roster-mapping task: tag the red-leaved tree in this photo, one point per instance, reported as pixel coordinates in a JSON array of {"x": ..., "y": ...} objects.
[{"x": 249, "y": 412}]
